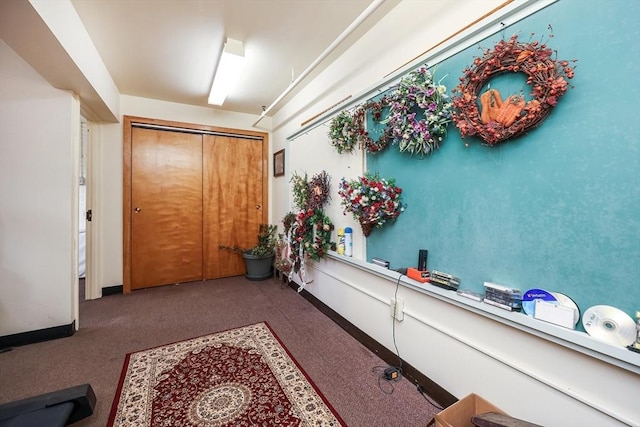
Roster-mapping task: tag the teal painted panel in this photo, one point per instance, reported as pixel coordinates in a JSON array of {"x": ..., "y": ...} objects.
[{"x": 558, "y": 208}]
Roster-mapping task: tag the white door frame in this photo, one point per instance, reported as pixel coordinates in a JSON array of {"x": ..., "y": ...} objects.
[{"x": 92, "y": 261}]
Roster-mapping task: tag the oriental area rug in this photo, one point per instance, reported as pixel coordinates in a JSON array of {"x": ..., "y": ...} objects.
[{"x": 238, "y": 377}]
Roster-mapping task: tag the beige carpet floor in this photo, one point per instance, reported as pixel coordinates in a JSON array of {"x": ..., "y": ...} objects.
[{"x": 347, "y": 373}]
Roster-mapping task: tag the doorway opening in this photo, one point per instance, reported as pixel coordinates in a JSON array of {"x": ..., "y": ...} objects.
[{"x": 82, "y": 209}]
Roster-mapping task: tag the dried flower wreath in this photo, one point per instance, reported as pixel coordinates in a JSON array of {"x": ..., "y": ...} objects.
[
  {"x": 420, "y": 111},
  {"x": 318, "y": 189},
  {"x": 500, "y": 120},
  {"x": 313, "y": 234},
  {"x": 365, "y": 140},
  {"x": 348, "y": 131},
  {"x": 343, "y": 134}
]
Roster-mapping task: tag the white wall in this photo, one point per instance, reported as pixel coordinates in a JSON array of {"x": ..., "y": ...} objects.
[
  {"x": 38, "y": 199},
  {"x": 528, "y": 376},
  {"x": 108, "y": 168},
  {"x": 460, "y": 350},
  {"x": 63, "y": 21},
  {"x": 403, "y": 34}
]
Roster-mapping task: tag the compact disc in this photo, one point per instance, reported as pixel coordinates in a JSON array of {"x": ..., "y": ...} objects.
[
  {"x": 529, "y": 300},
  {"x": 568, "y": 302},
  {"x": 610, "y": 325}
]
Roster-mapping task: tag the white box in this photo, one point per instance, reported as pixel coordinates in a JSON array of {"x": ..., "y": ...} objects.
[{"x": 555, "y": 313}]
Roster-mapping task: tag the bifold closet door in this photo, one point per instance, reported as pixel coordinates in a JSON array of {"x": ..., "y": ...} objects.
[
  {"x": 166, "y": 195},
  {"x": 233, "y": 197}
]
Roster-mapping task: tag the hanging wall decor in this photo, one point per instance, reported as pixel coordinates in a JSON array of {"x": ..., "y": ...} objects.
[
  {"x": 308, "y": 232},
  {"x": 300, "y": 189},
  {"x": 420, "y": 111},
  {"x": 348, "y": 130},
  {"x": 366, "y": 137},
  {"x": 343, "y": 133},
  {"x": 371, "y": 200},
  {"x": 499, "y": 119},
  {"x": 312, "y": 235},
  {"x": 278, "y": 163},
  {"x": 318, "y": 188}
]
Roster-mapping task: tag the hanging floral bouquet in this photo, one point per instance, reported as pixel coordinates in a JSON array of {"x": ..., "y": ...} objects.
[
  {"x": 420, "y": 111},
  {"x": 300, "y": 190},
  {"x": 372, "y": 200}
]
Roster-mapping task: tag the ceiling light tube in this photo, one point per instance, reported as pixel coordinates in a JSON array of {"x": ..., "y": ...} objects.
[{"x": 228, "y": 72}]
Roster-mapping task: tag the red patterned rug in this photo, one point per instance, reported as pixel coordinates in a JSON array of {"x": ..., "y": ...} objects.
[{"x": 239, "y": 377}]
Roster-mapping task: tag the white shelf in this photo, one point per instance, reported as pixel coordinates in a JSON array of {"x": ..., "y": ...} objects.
[{"x": 576, "y": 340}]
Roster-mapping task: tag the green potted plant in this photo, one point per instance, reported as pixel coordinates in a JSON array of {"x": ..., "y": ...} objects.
[{"x": 259, "y": 259}]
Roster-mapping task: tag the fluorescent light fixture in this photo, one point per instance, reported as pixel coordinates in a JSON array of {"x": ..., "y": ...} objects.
[{"x": 229, "y": 66}]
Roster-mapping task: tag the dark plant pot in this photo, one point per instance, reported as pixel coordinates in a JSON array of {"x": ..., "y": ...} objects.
[{"x": 258, "y": 267}]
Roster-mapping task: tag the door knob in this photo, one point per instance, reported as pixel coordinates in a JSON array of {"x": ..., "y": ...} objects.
[
  {"x": 258, "y": 206},
  {"x": 137, "y": 210}
]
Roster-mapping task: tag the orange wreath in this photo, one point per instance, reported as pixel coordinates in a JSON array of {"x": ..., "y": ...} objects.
[{"x": 500, "y": 120}]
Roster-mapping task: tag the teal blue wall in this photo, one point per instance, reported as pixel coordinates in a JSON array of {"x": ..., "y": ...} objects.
[{"x": 558, "y": 208}]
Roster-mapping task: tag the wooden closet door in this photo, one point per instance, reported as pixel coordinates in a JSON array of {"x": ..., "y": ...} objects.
[
  {"x": 233, "y": 197},
  {"x": 166, "y": 217}
]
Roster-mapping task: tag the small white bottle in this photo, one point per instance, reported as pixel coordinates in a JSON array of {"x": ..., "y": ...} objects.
[{"x": 348, "y": 241}]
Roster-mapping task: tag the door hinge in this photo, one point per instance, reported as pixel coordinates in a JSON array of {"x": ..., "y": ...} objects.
[{"x": 89, "y": 215}]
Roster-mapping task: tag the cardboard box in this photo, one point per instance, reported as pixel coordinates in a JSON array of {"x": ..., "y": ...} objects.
[{"x": 460, "y": 413}]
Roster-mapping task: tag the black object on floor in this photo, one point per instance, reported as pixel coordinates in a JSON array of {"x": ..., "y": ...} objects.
[{"x": 58, "y": 408}]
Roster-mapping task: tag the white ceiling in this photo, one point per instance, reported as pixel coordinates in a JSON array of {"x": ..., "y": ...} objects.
[{"x": 168, "y": 49}]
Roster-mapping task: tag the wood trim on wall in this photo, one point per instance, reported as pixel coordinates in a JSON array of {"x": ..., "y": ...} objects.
[
  {"x": 126, "y": 205},
  {"x": 128, "y": 122}
]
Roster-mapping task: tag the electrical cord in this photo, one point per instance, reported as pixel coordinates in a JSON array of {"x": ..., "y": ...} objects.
[
  {"x": 385, "y": 383},
  {"x": 389, "y": 374},
  {"x": 386, "y": 371},
  {"x": 393, "y": 323},
  {"x": 427, "y": 398}
]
